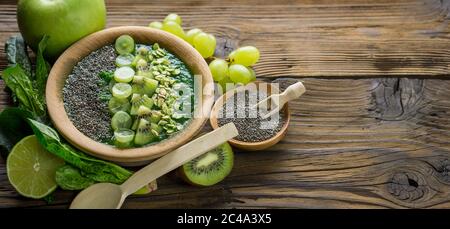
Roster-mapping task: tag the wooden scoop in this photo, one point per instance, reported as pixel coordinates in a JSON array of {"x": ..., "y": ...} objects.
[
  {"x": 278, "y": 100},
  {"x": 107, "y": 195}
]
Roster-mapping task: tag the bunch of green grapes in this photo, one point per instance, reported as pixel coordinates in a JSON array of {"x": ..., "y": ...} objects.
[
  {"x": 236, "y": 69},
  {"x": 203, "y": 42}
]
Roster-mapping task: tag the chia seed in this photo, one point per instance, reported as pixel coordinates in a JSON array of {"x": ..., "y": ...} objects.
[
  {"x": 240, "y": 110},
  {"x": 87, "y": 112}
]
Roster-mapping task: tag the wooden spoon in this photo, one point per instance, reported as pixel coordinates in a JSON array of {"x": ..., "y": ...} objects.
[
  {"x": 107, "y": 195},
  {"x": 278, "y": 100}
]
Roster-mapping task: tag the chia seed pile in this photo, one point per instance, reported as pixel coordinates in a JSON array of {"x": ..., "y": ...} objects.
[
  {"x": 80, "y": 94},
  {"x": 252, "y": 128}
]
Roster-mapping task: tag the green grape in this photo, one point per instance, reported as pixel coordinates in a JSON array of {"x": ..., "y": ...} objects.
[
  {"x": 124, "y": 60},
  {"x": 247, "y": 56},
  {"x": 240, "y": 74},
  {"x": 205, "y": 44},
  {"x": 124, "y": 44},
  {"x": 191, "y": 34},
  {"x": 121, "y": 119},
  {"x": 123, "y": 74},
  {"x": 253, "y": 78},
  {"x": 123, "y": 138},
  {"x": 173, "y": 17},
  {"x": 116, "y": 105},
  {"x": 213, "y": 39},
  {"x": 219, "y": 69},
  {"x": 226, "y": 84},
  {"x": 174, "y": 28},
  {"x": 232, "y": 53},
  {"x": 156, "y": 25},
  {"x": 121, "y": 90}
]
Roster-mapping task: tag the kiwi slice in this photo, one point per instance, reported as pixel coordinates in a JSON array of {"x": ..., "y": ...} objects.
[
  {"x": 116, "y": 105},
  {"x": 150, "y": 86},
  {"x": 136, "y": 60},
  {"x": 156, "y": 116},
  {"x": 209, "y": 168},
  {"x": 144, "y": 134},
  {"x": 156, "y": 129},
  {"x": 137, "y": 100},
  {"x": 143, "y": 112},
  {"x": 144, "y": 85},
  {"x": 145, "y": 73}
]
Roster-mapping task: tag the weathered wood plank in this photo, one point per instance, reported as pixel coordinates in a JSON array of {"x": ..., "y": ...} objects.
[
  {"x": 366, "y": 143},
  {"x": 309, "y": 38},
  {"x": 346, "y": 147}
]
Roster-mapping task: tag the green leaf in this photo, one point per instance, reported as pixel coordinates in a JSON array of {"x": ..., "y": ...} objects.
[
  {"x": 106, "y": 76},
  {"x": 49, "y": 198},
  {"x": 45, "y": 132},
  {"x": 42, "y": 69},
  {"x": 69, "y": 177},
  {"x": 13, "y": 127},
  {"x": 16, "y": 53},
  {"x": 105, "y": 93},
  {"x": 95, "y": 169},
  {"x": 20, "y": 84}
]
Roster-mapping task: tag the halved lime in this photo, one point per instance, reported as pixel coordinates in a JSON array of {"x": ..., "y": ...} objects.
[{"x": 31, "y": 169}]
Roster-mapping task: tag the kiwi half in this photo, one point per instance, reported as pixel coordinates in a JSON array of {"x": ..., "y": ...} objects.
[
  {"x": 209, "y": 168},
  {"x": 143, "y": 112},
  {"x": 144, "y": 133},
  {"x": 137, "y": 100}
]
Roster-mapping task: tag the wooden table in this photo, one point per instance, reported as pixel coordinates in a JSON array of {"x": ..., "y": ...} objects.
[{"x": 373, "y": 129}]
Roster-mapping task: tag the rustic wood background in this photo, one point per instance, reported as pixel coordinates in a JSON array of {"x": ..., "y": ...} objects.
[{"x": 373, "y": 129}]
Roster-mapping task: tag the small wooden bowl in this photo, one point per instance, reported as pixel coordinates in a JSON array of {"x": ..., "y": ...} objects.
[
  {"x": 250, "y": 146},
  {"x": 134, "y": 156}
]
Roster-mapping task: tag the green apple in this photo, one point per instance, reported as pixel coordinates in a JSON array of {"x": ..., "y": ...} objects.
[{"x": 65, "y": 21}]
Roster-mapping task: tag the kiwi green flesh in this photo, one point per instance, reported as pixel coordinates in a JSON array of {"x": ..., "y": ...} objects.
[
  {"x": 209, "y": 168},
  {"x": 115, "y": 105},
  {"x": 143, "y": 133},
  {"x": 140, "y": 101}
]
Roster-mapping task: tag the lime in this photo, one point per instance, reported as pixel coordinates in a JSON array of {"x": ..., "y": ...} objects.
[{"x": 31, "y": 169}]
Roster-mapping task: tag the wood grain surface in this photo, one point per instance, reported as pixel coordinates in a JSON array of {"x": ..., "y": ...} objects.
[{"x": 372, "y": 130}]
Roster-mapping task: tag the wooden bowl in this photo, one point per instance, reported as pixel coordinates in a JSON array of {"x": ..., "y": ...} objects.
[
  {"x": 251, "y": 146},
  {"x": 134, "y": 156}
]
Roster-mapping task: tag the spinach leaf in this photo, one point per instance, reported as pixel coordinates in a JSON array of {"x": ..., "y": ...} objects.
[
  {"x": 106, "y": 76},
  {"x": 21, "y": 85},
  {"x": 95, "y": 169},
  {"x": 105, "y": 92},
  {"x": 69, "y": 177},
  {"x": 13, "y": 127},
  {"x": 49, "y": 198},
  {"x": 16, "y": 53},
  {"x": 104, "y": 95},
  {"x": 42, "y": 68}
]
